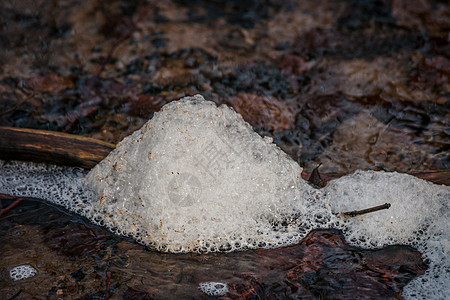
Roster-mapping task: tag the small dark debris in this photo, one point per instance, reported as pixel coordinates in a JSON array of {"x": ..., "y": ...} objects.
[
  {"x": 15, "y": 296},
  {"x": 135, "y": 294},
  {"x": 315, "y": 178},
  {"x": 159, "y": 43},
  {"x": 78, "y": 275}
]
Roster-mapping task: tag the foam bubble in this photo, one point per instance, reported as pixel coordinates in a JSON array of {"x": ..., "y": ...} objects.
[
  {"x": 213, "y": 288},
  {"x": 22, "y": 272}
]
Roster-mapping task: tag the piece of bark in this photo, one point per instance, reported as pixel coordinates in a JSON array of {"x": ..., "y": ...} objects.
[{"x": 52, "y": 147}]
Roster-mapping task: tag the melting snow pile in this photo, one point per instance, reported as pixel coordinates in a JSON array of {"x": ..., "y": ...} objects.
[{"x": 198, "y": 178}]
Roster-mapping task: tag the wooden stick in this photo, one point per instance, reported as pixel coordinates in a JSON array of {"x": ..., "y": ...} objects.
[
  {"x": 52, "y": 147},
  {"x": 366, "y": 211}
]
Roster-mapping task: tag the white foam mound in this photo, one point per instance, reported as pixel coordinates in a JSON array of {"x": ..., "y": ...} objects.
[{"x": 198, "y": 178}]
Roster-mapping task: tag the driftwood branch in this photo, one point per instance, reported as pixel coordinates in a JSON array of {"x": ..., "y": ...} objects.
[{"x": 52, "y": 147}]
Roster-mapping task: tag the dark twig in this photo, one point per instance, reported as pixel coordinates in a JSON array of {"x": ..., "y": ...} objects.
[
  {"x": 108, "y": 283},
  {"x": 12, "y": 205},
  {"x": 127, "y": 34},
  {"x": 28, "y": 97},
  {"x": 366, "y": 211},
  {"x": 15, "y": 296},
  {"x": 14, "y": 107}
]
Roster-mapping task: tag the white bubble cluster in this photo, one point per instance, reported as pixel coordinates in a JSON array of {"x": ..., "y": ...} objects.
[
  {"x": 60, "y": 185},
  {"x": 419, "y": 216},
  {"x": 213, "y": 288},
  {"x": 22, "y": 272},
  {"x": 198, "y": 178}
]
